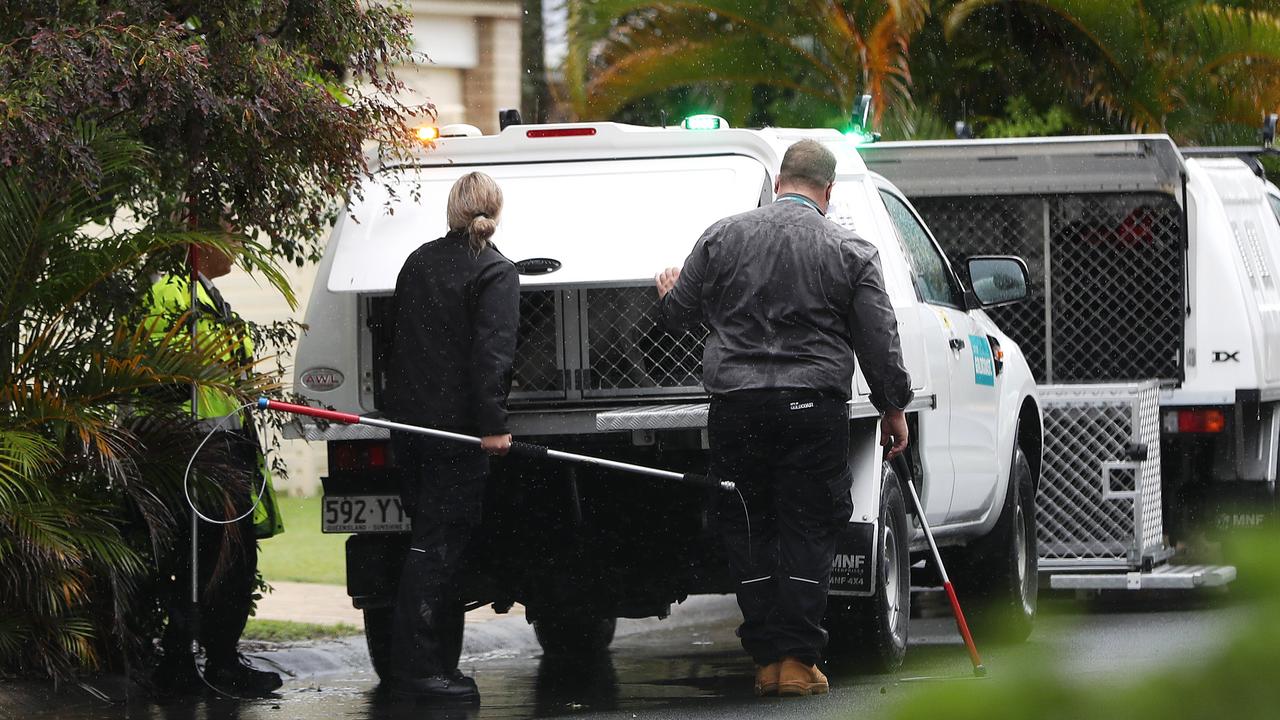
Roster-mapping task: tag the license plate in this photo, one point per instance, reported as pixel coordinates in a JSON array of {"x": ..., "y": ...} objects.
[{"x": 363, "y": 514}]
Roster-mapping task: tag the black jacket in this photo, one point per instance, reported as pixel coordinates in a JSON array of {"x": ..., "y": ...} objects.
[
  {"x": 790, "y": 298},
  {"x": 454, "y": 340}
]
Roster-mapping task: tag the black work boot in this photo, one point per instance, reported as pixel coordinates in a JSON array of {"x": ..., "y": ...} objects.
[
  {"x": 237, "y": 676},
  {"x": 452, "y": 686},
  {"x": 457, "y": 677}
]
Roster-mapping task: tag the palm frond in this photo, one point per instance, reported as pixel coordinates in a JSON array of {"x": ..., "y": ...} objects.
[
  {"x": 1113, "y": 34},
  {"x": 645, "y": 72},
  {"x": 820, "y": 49},
  {"x": 24, "y": 456},
  {"x": 1166, "y": 65},
  {"x": 1224, "y": 35}
]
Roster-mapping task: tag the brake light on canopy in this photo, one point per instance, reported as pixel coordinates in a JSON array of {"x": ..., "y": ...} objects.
[{"x": 560, "y": 132}]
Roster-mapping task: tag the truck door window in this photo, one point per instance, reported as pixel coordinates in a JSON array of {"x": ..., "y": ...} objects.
[{"x": 933, "y": 277}]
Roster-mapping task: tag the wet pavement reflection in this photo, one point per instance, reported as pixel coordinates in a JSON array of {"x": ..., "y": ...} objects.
[{"x": 696, "y": 671}]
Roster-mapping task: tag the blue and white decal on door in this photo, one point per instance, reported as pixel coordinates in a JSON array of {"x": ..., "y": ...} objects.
[{"x": 984, "y": 366}]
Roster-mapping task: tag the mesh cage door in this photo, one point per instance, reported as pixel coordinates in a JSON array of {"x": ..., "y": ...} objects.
[
  {"x": 1117, "y": 302},
  {"x": 1109, "y": 268},
  {"x": 626, "y": 351},
  {"x": 539, "y": 369}
]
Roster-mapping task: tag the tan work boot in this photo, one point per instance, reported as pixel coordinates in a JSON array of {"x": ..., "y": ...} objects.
[
  {"x": 767, "y": 679},
  {"x": 797, "y": 678}
]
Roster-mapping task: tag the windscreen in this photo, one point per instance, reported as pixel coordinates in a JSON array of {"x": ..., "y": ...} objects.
[{"x": 604, "y": 221}]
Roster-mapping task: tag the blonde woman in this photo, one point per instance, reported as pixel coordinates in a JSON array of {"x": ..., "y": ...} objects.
[{"x": 457, "y": 311}]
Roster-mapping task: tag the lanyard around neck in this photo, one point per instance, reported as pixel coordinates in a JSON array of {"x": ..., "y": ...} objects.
[{"x": 802, "y": 200}]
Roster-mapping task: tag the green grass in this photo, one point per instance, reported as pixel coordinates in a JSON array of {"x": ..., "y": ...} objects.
[
  {"x": 303, "y": 553},
  {"x": 287, "y": 631}
]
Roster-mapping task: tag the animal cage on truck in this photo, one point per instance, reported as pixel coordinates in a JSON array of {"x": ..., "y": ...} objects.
[
  {"x": 1146, "y": 268},
  {"x": 592, "y": 211}
]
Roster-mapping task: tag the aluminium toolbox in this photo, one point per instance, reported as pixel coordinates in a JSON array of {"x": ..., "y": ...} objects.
[{"x": 1099, "y": 513}]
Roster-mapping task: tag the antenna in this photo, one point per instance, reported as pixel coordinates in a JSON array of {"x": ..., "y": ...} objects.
[
  {"x": 508, "y": 116},
  {"x": 862, "y": 112},
  {"x": 860, "y": 122}
]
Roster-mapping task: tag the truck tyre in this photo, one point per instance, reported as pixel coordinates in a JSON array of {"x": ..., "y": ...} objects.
[
  {"x": 565, "y": 635},
  {"x": 996, "y": 576},
  {"x": 377, "y": 633},
  {"x": 872, "y": 631}
]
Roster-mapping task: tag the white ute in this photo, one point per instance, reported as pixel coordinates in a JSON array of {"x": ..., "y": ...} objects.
[
  {"x": 1153, "y": 324},
  {"x": 592, "y": 212}
]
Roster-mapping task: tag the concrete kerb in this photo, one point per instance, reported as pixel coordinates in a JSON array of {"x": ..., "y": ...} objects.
[{"x": 503, "y": 637}]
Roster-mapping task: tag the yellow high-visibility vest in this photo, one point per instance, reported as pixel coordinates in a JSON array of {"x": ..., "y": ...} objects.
[{"x": 168, "y": 300}]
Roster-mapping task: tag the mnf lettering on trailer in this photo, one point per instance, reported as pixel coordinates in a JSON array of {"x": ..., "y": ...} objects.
[{"x": 984, "y": 366}]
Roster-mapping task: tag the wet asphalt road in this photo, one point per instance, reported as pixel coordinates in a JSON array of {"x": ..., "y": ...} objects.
[{"x": 690, "y": 666}]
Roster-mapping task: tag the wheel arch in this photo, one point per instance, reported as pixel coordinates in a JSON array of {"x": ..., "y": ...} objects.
[{"x": 1030, "y": 437}]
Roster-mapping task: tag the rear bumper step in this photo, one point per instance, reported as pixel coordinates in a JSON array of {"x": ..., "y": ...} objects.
[{"x": 1165, "y": 577}]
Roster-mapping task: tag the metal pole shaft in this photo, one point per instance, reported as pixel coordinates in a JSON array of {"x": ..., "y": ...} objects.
[
  {"x": 518, "y": 448},
  {"x": 555, "y": 454},
  {"x": 194, "y": 310},
  {"x": 928, "y": 532}
]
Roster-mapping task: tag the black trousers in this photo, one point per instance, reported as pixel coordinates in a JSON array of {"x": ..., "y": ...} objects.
[
  {"x": 227, "y": 562},
  {"x": 442, "y": 492},
  {"x": 788, "y": 452}
]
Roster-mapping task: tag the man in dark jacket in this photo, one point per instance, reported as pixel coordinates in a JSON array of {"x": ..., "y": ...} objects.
[
  {"x": 790, "y": 299},
  {"x": 457, "y": 313}
]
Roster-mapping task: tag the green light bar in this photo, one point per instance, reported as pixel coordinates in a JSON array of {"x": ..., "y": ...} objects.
[
  {"x": 704, "y": 122},
  {"x": 858, "y": 136}
]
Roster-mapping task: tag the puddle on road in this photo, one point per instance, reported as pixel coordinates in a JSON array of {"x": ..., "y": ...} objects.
[{"x": 695, "y": 668}]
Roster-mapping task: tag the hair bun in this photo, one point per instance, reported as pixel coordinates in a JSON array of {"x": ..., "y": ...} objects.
[{"x": 481, "y": 228}]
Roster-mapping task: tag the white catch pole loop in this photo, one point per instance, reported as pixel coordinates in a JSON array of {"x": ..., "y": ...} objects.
[{"x": 186, "y": 476}]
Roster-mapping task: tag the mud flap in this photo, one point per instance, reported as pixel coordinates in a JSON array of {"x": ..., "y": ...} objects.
[
  {"x": 1241, "y": 505},
  {"x": 853, "y": 569}
]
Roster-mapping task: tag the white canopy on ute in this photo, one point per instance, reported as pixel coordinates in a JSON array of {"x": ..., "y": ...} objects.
[
  {"x": 605, "y": 221},
  {"x": 1132, "y": 163}
]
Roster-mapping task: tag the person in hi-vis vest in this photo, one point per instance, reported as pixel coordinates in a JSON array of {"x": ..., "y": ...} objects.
[{"x": 227, "y": 559}]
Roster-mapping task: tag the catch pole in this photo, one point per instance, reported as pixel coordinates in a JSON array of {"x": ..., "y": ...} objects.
[
  {"x": 979, "y": 669},
  {"x": 193, "y": 309},
  {"x": 519, "y": 449}
]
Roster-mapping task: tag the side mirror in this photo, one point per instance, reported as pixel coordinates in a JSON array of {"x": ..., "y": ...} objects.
[{"x": 997, "y": 280}]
